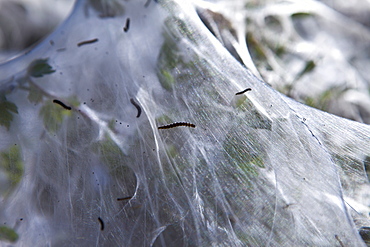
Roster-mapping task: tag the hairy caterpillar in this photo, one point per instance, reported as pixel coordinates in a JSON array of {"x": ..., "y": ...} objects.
[{"x": 173, "y": 125}]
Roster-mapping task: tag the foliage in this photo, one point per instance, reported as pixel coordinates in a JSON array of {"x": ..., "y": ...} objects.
[
  {"x": 7, "y": 109},
  {"x": 8, "y": 234},
  {"x": 39, "y": 68}
]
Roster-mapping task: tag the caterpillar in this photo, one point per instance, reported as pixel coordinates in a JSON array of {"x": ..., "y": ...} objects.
[
  {"x": 101, "y": 224},
  {"x": 127, "y": 26},
  {"x": 246, "y": 90},
  {"x": 62, "y": 104},
  {"x": 87, "y": 42},
  {"x": 124, "y": 198},
  {"x": 173, "y": 125},
  {"x": 137, "y": 107}
]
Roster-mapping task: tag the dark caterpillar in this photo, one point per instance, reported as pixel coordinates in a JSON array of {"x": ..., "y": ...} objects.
[
  {"x": 87, "y": 42},
  {"x": 127, "y": 26},
  {"x": 62, "y": 104},
  {"x": 246, "y": 90},
  {"x": 124, "y": 198},
  {"x": 173, "y": 125},
  {"x": 101, "y": 224},
  {"x": 137, "y": 107}
]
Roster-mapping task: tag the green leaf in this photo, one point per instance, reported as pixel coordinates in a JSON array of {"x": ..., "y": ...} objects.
[
  {"x": 310, "y": 65},
  {"x": 111, "y": 154},
  {"x": 240, "y": 153},
  {"x": 166, "y": 79},
  {"x": 301, "y": 15},
  {"x": 52, "y": 115},
  {"x": 111, "y": 124},
  {"x": 7, "y": 233},
  {"x": 6, "y": 110},
  {"x": 35, "y": 94},
  {"x": 246, "y": 105},
  {"x": 12, "y": 164},
  {"x": 39, "y": 68},
  {"x": 73, "y": 101},
  {"x": 163, "y": 120}
]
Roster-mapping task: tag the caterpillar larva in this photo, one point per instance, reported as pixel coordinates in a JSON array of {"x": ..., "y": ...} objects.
[
  {"x": 101, "y": 224},
  {"x": 127, "y": 26},
  {"x": 173, "y": 125},
  {"x": 124, "y": 198},
  {"x": 137, "y": 107},
  {"x": 246, "y": 90},
  {"x": 62, "y": 104},
  {"x": 87, "y": 42}
]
